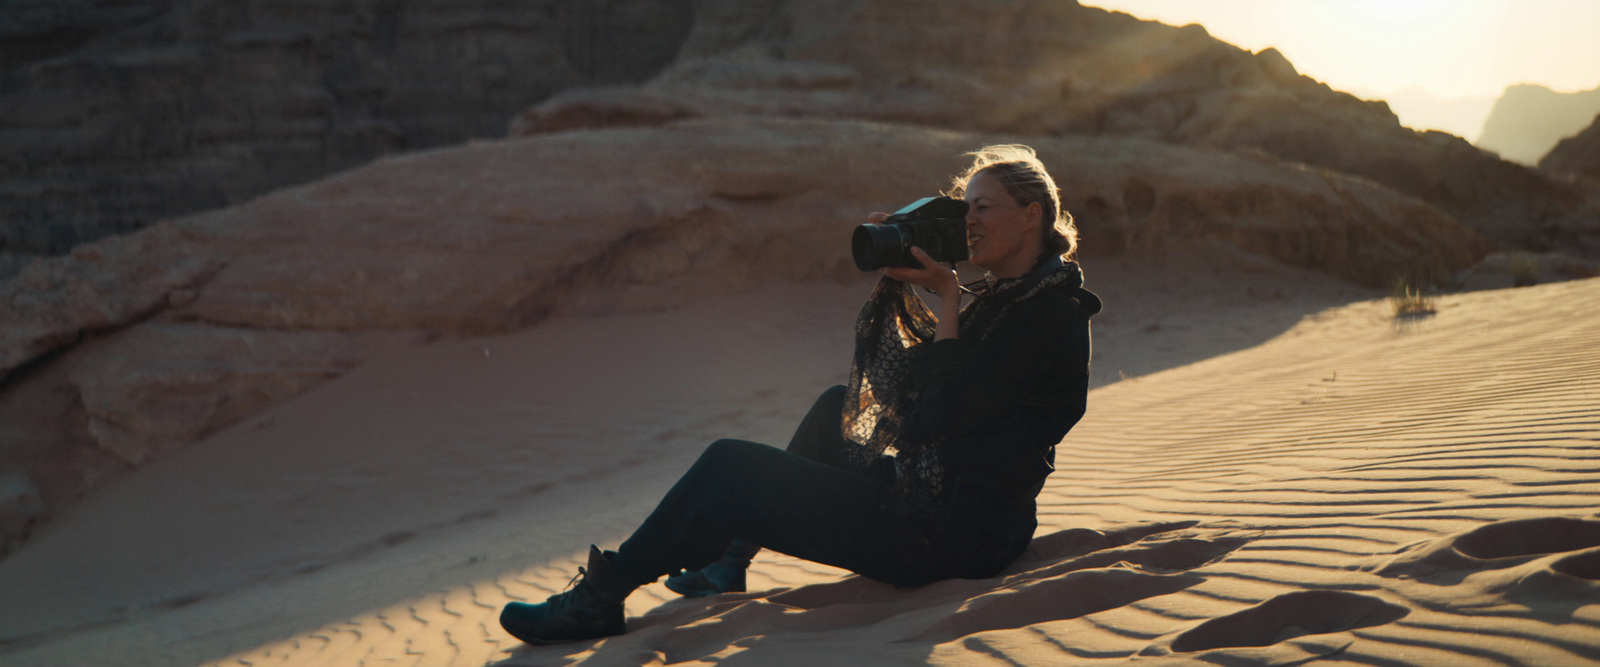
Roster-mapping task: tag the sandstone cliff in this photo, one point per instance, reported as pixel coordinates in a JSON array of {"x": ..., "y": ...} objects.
[
  {"x": 133, "y": 346},
  {"x": 117, "y": 114},
  {"x": 1060, "y": 68},
  {"x": 114, "y": 114}
]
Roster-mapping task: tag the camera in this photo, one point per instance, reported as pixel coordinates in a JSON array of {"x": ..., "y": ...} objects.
[{"x": 938, "y": 225}]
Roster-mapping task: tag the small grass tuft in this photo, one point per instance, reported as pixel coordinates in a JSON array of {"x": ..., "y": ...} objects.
[{"x": 1409, "y": 300}]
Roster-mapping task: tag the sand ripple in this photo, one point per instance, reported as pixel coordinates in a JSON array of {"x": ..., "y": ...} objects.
[{"x": 1359, "y": 490}]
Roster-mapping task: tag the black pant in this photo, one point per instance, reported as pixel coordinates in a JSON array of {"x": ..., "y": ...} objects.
[{"x": 811, "y": 503}]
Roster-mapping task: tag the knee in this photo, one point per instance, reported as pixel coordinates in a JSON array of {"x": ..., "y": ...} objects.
[
  {"x": 728, "y": 451},
  {"x": 739, "y": 455},
  {"x": 721, "y": 448},
  {"x": 832, "y": 400}
]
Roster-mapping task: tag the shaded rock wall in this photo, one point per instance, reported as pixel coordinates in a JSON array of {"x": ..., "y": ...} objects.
[
  {"x": 117, "y": 113},
  {"x": 1056, "y": 68},
  {"x": 1578, "y": 156}
]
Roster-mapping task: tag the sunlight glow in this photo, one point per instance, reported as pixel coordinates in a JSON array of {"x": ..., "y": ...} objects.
[
  {"x": 1460, "y": 54},
  {"x": 1451, "y": 48}
]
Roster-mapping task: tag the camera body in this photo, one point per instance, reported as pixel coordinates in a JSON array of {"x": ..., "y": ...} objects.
[{"x": 938, "y": 225}]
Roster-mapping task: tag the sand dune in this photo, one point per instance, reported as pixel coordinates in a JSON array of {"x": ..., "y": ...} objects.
[{"x": 1356, "y": 490}]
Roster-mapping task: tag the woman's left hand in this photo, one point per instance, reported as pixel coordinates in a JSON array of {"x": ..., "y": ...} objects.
[{"x": 933, "y": 276}]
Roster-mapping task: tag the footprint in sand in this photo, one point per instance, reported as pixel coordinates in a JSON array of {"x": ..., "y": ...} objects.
[
  {"x": 1529, "y": 537},
  {"x": 1499, "y": 545},
  {"x": 1545, "y": 568},
  {"x": 1584, "y": 565},
  {"x": 1286, "y": 617}
]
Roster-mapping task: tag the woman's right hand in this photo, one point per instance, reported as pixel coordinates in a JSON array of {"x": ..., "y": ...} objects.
[{"x": 932, "y": 276}]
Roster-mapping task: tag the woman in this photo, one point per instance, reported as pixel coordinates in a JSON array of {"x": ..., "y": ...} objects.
[{"x": 926, "y": 466}]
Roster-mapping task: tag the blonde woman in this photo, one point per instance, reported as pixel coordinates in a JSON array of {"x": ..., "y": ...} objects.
[{"x": 926, "y": 466}]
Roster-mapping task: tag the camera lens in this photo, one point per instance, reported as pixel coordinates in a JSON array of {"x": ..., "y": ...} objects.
[{"x": 877, "y": 246}]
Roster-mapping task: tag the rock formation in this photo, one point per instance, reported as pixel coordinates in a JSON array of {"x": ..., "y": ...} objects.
[
  {"x": 745, "y": 159},
  {"x": 1502, "y": 270},
  {"x": 1060, "y": 68},
  {"x": 1578, "y": 156},
  {"x": 115, "y": 114},
  {"x": 133, "y": 346},
  {"x": 1528, "y": 120}
]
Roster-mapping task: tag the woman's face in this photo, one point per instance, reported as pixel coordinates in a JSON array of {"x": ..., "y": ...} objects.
[{"x": 1002, "y": 236}]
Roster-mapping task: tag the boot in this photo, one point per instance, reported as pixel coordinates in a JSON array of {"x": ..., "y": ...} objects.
[
  {"x": 589, "y": 610},
  {"x": 726, "y": 575}
]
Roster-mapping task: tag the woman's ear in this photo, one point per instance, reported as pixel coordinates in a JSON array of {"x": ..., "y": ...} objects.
[{"x": 1035, "y": 214}]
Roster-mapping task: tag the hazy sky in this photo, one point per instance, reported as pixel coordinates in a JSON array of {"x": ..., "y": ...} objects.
[{"x": 1450, "y": 48}]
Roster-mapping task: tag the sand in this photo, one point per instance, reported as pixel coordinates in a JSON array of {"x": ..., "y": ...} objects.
[{"x": 1273, "y": 470}]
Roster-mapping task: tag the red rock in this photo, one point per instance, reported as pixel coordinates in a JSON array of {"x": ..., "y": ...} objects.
[
  {"x": 157, "y": 387},
  {"x": 1036, "y": 68}
]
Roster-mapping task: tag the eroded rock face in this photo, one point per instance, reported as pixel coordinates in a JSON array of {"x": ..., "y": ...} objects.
[
  {"x": 121, "y": 399},
  {"x": 152, "y": 389},
  {"x": 115, "y": 114},
  {"x": 1140, "y": 195},
  {"x": 1501, "y": 270},
  {"x": 1060, "y": 68},
  {"x": 51, "y": 304},
  {"x": 138, "y": 345}
]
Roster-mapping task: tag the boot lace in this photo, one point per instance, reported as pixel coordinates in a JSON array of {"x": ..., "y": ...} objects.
[{"x": 575, "y": 579}]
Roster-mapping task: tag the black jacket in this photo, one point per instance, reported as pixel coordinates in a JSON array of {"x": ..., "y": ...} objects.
[{"x": 1000, "y": 401}]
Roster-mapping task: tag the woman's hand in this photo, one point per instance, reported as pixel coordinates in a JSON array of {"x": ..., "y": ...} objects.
[
  {"x": 934, "y": 277},
  {"x": 940, "y": 280}
]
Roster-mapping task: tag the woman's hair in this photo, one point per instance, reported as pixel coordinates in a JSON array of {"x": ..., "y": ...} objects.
[{"x": 1018, "y": 168}]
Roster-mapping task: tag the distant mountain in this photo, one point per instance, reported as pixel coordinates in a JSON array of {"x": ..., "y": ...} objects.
[
  {"x": 1528, "y": 120},
  {"x": 1421, "y": 110}
]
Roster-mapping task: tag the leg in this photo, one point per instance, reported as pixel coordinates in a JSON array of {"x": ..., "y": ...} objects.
[
  {"x": 746, "y": 490},
  {"x": 818, "y": 439},
  {"x": 819, "y": 436},
  {"x": 790, "y": 504}
]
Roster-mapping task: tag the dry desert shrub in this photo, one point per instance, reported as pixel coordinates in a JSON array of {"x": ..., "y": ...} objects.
[{"x": 1410, "y": 300}]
